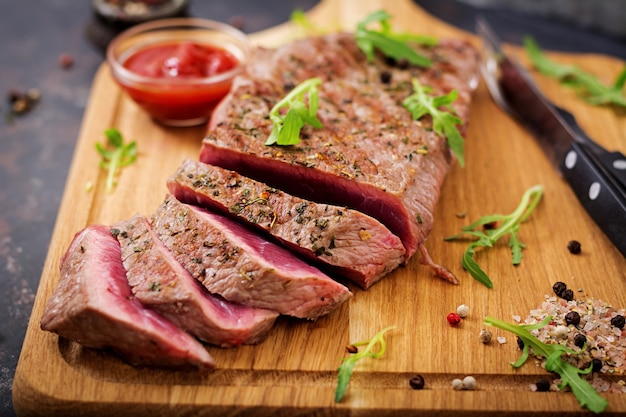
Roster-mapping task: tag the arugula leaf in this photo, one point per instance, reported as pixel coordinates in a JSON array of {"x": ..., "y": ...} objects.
[
  {"x": 570, "y": 375},
  {"x": 286, "y": 128},
  {"x": 588, "y": 86},
  {"x": 119, "y": 156},
  {"x": 510, "y": 224},
  {"x": 347, "y": 365},
  {"x": 394, "y": 45},
  {"x": 420, "y": 103}
]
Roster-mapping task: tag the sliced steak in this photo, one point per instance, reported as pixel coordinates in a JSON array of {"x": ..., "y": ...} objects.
[
  {"x": 350, "y": 243},
  {"x": 162, "y": 284},
  {"x": 369, "y": 155},
  {"x": 243, "y": 267},
  {"x": 94, "y": 306}
]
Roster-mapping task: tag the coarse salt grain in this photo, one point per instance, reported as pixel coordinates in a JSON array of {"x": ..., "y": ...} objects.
[
  {"x": 501, "y": 339},
  {"x": 604, "y": 341}
]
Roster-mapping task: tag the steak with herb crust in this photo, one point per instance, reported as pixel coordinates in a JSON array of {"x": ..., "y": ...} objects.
[
  {"x": 369, "y": 155},
  {"x": 243, "y": 267},
  {"x": 162, "y": 284},
  {"x": 94, "y": 306},
  {"x": 347, "y": 242}
]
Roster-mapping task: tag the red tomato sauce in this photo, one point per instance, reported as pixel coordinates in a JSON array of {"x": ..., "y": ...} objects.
[{"x": 182, "y": 62}]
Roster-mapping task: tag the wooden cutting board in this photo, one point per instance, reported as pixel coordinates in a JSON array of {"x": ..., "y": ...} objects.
[{"x": 293, "y": 372}]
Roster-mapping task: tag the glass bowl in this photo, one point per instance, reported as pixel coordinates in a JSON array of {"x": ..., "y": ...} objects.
[{"x": 178, "y": 70}]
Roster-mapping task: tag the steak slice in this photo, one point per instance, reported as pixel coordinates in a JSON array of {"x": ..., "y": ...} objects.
[
  {"x": 369, "y": 155},
  {"x": 348, "y": 242},
  {"x": 162, "y": 284},
  {"x": 94, "y": 306},
  {"x": 243, "y": 267}
]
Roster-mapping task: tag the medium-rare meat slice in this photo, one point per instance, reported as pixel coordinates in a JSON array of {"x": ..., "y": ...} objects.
[
  {"x": 94, "y": 306},
  {"x": 369, "y": 155},
  {"x": 161, "y": 283},
  {"x": 243, "y": 267},
  {"x": 352, "y": 244}
]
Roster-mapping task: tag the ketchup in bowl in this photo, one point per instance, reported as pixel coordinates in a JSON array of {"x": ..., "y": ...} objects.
[{"x": 178, "y": 70}]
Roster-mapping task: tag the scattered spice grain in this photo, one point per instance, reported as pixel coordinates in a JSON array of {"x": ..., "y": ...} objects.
[
  {"x": 542, "y": 385},
  {"x": 453, "y": 319},
  {"x": 572, "y": 318},
  {"x": 462, "y": 311},
  {"x": 618, "y": 321},
  {"x": 580, "y": 340},
  {"x": 417, "y": 382},
  {"x": 559, "y": 287},
  {"x": 574, "y": 247}
]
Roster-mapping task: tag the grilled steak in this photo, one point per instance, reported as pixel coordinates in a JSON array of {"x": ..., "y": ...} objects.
[
  {"x": 369, "y": 155},
  {"x": 243, "y": 267},
  {"x": 162, "y": 284},
  {"x": 94, "y": 306},
  {"x": 352, "y": 244}
]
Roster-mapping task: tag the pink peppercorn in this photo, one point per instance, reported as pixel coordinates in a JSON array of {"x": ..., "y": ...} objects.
[{"x": 453, "y": 319}]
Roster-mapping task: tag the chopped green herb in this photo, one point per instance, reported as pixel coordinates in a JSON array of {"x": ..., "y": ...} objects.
[
  {"x": 347, "y": 364},
  {"x": 119, "y": 156},
  {"x": 394, "y": 45},
  {"x": 570, "y": 375},
  {"x": 421, "y": 103},
  {"x": 286, "y": 128},
  {"x": 587, "y": 85},
  {"x": 509, "y": 224}
]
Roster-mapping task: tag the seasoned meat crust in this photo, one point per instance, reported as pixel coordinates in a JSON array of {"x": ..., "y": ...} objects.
[
  {"x": 349, "y": 243},
  {"x": 243, "y": 267},
  {"x": 369, "y": 155},
  {"x": 162, "y": 284}
]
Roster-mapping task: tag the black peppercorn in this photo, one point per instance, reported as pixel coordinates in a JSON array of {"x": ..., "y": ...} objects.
[
  {"x": 572, "y": 318},
  {"x": 580, "y": 340},
  {"x": 559, "y": 287},
  {"x": 568, "y": 295},
  {"x": 618, "y": 321},
  {"x": 574, "y": 247},
  {"x": 542, "y": 385},
  {"x": 596, "y": 365},
  {"x": 385, "y": 77},
  {"x": 402, "y": 63},
  {"x": 520, "y": 342},
  {"x": 417, "y": 382}
]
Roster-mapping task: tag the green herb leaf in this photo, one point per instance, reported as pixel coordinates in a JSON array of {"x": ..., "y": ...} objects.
[
  {"x": 570, "y": 375},
  {"x": 588, "y": 86},
  {"x": 509, "y": 225},
  {"x": 421, "y": 103},
  {"x": 115, "y": 155},
  {"x": 347, "y": 365},
  {"x": 286, "y": 128},
  {"x": 394, "y": 45}
]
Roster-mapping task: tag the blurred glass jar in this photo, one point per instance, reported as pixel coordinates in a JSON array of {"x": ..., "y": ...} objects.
[{"x": 136, "y": 11}]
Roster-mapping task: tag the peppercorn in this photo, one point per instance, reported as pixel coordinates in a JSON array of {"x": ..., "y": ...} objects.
[
  {"x": 385, "y": 77},
  {"x": 580, "y": 340},
  {"x": 469, "y": 382},
  {"x": 352, "y": 349},
  {"x": 462, "y": 310},
  {"x": 596, "y": 365},
  {"x": 416, "y": 382},
  {"x": 568, "y": 295},
  {"x": 542, "y": 385},
  {"x": 520, "y": 343},
  {"x": 558, "y": 288},
  {"x": 574, "y": 247},
  {"x": 572, "y": 318},
  {"x": 618, "y": 321},
  {"x": 453, "y": 319}
]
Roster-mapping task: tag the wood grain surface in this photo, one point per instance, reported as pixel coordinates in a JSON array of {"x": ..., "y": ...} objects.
[{"x": 293, "y": 372}]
